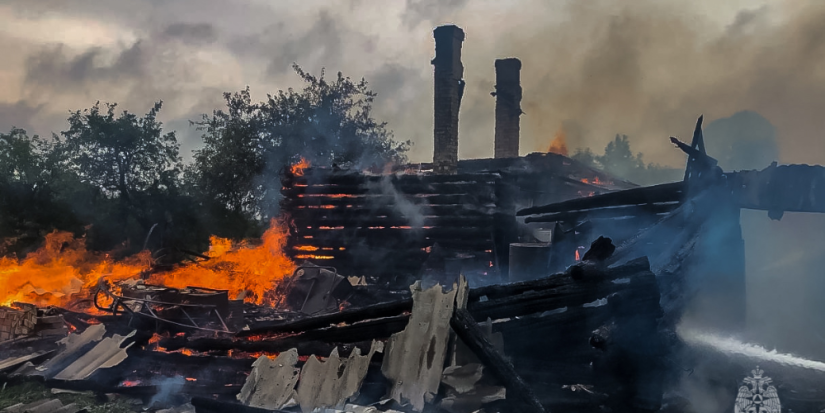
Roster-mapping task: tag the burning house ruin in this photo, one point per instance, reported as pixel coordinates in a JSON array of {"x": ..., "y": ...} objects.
[{"x": 519, "y": 283}]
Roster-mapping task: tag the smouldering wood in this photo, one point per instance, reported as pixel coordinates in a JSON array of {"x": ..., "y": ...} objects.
[{"x": 518, "y": 392}]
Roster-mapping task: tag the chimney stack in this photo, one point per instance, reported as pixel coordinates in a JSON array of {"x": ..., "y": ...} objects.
[
  {"x": 449, "y": 88},
  {"x": 508, "y": 107}
]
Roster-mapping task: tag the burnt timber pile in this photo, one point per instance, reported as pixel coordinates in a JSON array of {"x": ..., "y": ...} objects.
[
  {"x": 591, "y": 328},
  {"x": 359, "y": 223},
  {"x": 491, "y": 323},
  {"x": 388, "y": 225}
]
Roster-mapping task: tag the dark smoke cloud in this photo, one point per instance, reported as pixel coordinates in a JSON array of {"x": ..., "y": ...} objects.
[
  {"x": 645, "y": 69},
  {"x": 54, "y": 69},
  {"x": 192, "y": 33},
  {"x": 419, "y": 12},
  {"x": 743, "y": 141},
  {"x": 17, "y": 115}
]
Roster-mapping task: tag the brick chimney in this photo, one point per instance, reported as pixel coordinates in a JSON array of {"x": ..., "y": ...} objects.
[
  {"x": 449, "y": 88},
  {"x": 508, "y": 107}
]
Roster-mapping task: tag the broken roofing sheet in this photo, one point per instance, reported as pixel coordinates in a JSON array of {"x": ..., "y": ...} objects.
[
  {"x": 415, "y": 357},
  {"x": 323, "y": 384},
  {"x": 106, "y": 354}
]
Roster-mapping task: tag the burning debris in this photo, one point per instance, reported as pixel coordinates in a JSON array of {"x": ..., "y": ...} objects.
[{"x": 455, "y": 286}]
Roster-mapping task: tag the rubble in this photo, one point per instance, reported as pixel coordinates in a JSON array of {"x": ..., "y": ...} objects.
[
  {"x": 580, "y": 329},
  {"x": 271, "y": 383},
  {"x": 415, "y": 357},
  {"x": 17, "y": 321},
  {"x": 106, "y": 354},
  {"x": 330, "y": 383},
  {"x": 44, "y": 406}
]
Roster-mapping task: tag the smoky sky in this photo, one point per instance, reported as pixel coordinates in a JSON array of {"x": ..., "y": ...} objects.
[{"x": 645, "y": 68}]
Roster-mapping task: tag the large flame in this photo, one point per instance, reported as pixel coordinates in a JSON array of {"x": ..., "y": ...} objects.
[
  {"x": 63, "y": 268},
  {"x": 248, "y": 269},
  {"x": 559, "y": 143}
]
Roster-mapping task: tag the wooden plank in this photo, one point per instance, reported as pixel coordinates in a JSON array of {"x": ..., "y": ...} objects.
[
  {"x": 651, "y": 194},
  {"x": 363, "y": 233},
  {"x": 348, "y": 316},
  {"x": 318, "y": 176},
  {"x": 588, "y": 274},
  {"x": 790, "y": 188},
  {"x": 367, "y": 220},
  {"x": 518, "y": 392},
  {"x": 608, "y": 212},
  {"x": 362, "y": 201},
  {"x": 566, "y": 296},
  {"x": 464, "y": 211},
  {"x": 406, "y": 190}
]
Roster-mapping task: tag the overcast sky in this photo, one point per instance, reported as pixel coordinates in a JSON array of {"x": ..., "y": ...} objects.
[{"x": 643, "y": 68}]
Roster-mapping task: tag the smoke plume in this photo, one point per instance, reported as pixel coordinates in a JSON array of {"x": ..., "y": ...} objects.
[{"x": 645, "y": 68}]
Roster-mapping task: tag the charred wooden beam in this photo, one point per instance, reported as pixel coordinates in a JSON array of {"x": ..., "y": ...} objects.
[
  {"x": 349, "y": 316},
  {"x": 776, "y": 189},
  {"x": 458, "y": 233},
  {"x": 581, "y": 272},
  {"x": 368, "y": 220},
  {"x": 471, "y": 188},
  {"x": 702, "y": 159},
  {"x": 400, "y": 250},
  {"x": 518, "y": 392},
  {"x": 591, "y": 284},
  {"x": 321, "y": 176},
  {"x": 355, "y": 213},
  {"x": 368, "y": 201},
  {"x": 551, "y": 299},
  {"x": 608, "y": 212},
  {"x": 669, "y": 192},
  {"x": 648, "y": 241}
]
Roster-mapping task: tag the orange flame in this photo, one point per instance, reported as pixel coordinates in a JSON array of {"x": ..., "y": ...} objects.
[
  {"x": 242, "y": 269},
  {"x": 63, "y": 268},
  {"x": 299, "y": 168},
  {"x": 578, "y": 258},
  {"x": 60, "y": 269},
  {"x": 559, "y": 143}
]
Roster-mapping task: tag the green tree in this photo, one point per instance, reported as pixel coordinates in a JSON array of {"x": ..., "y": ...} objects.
[
  {"x": 618, "y": 159},
  {"x": 29, "y": 207},
  {"x": 21, "y": 156},
  {"x": 116, "y": 171},
  {"x": 120, "y": 155},
  {"x": 225, "y": 168},
  {"x": 585, "y": 156},
  {"x": 248, "y": 145}
]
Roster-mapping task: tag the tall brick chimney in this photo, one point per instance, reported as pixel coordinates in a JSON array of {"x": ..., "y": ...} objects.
[
  {"x": 508, "y": 107},
  {"x": 449, "y": 88}
]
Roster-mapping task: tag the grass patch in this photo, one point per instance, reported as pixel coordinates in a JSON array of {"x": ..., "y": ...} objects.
[{"x": 31, "y": 391}]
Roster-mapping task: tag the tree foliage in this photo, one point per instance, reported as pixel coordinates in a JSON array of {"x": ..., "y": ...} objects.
[
  {"x": 28, "y": 203},
  {"x": 618, "y": 159},
  {"x": 117, "y": 178},
  {"x": 21, "y": 156},
  {"x": 120, "y": 155},
  {"x": 248, "y": 144}
]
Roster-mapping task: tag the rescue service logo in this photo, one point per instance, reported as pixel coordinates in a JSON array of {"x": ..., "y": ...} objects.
[{"x": 757, "y": 395}]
